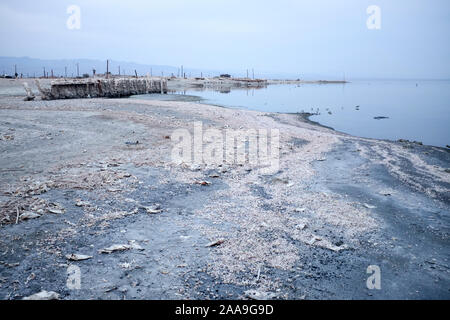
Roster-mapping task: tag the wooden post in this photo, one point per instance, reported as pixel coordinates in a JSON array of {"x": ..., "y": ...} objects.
[
  {"x": 78, "y": 70},
  {"x": 135, "y": 72},
  {"x": 65, "y": 72},
  {"x": 119, "y": 71},
  {"x": 107, "y": 69},
  {"x": 44, "y": 72}
]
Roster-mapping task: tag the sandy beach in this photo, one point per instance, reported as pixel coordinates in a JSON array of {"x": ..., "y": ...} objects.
[{"x": 98, "y": 173}]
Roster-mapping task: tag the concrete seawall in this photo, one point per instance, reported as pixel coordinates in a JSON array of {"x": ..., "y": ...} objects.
[{"x": 101, "y": 88}]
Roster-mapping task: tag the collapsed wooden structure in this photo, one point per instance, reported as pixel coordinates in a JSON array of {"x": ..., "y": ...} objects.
[{"x": 101, "y": 88}]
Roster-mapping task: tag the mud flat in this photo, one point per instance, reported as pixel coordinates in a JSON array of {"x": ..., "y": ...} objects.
[{"x": 79, "y": 176}]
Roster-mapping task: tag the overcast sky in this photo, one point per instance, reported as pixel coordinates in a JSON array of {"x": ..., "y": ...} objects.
[{"x": 324, "y": 37}]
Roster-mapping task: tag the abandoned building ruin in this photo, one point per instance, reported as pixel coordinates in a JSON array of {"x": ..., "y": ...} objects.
[{"x": 101, "y": 88}]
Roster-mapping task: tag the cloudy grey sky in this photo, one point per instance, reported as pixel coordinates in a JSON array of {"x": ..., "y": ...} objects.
[{"x": 324, "y": 37}]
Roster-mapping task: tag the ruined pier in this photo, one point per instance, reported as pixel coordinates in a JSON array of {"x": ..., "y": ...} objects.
[{"x": 101, "y": 88}]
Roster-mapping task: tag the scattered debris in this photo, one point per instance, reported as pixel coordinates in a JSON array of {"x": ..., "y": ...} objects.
[
  {"x": 109, "y": 165},
  {"x": 70, "y": 223},
  {"x": 259, "y": 274},
  {"x": 17, "y": 216},
  {"x": 125, "y": 265},
  {"x": 259, "y": 295},
  {"x": 124, "y": 175},
  {"x": 32, "y": 276},
  {"x": 386, "y": 192},
  {"x": 223, "y": 170},
  {"x": 111, "y": 289},
  {"x": 301, "y": 226},
  {"x": 280, "y": 181},
  {"x": 81, "y": 203},
  {"x": 203, "y": 183},
  {"x": 34, "y": 189},
  {"x": 153, "y": 209},
  {"x": 118, "y": 215},
  {"x": 299, "y": 209},
  {"x": 10, "y": 265},
  {"x": 6, "y": 137},
  {"x": 215, "y": 243},
  {"x": 122, "y": 247},
  {"x": 195, "y": 167},
  {"x": 43, "y": 295},
  {"x": 29, "y": 215},
  {"x": 55, "y": 208},
  {"x": 135, "y": 245},
  {"x": 77, "y": 257},
  {"x": 115, "y": 247},
  {"x": 323, "y": 243},
  {"x": 314, "y": 239},
  {"x": 368, "y": 206}
]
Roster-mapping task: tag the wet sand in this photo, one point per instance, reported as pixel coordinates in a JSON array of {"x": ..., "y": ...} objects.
[{"x": 337, "y": 205}]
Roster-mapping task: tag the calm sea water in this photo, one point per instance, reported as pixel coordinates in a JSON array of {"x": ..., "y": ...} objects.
[{"x": 414, "y": 110}]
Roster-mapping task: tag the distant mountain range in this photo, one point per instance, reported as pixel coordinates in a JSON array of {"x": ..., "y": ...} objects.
[
  {"x": 35, "y": 67},
  {"x": 31, "y": 67}
]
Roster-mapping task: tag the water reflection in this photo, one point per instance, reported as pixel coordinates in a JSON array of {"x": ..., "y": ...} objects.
[{"x": 392, "y": 110}]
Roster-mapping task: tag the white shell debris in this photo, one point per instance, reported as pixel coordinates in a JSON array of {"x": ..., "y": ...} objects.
[
  {"x": 77, "y": 257},
  {"x": 259, "y": 295},
  {"x": 43, "y": 295}
]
